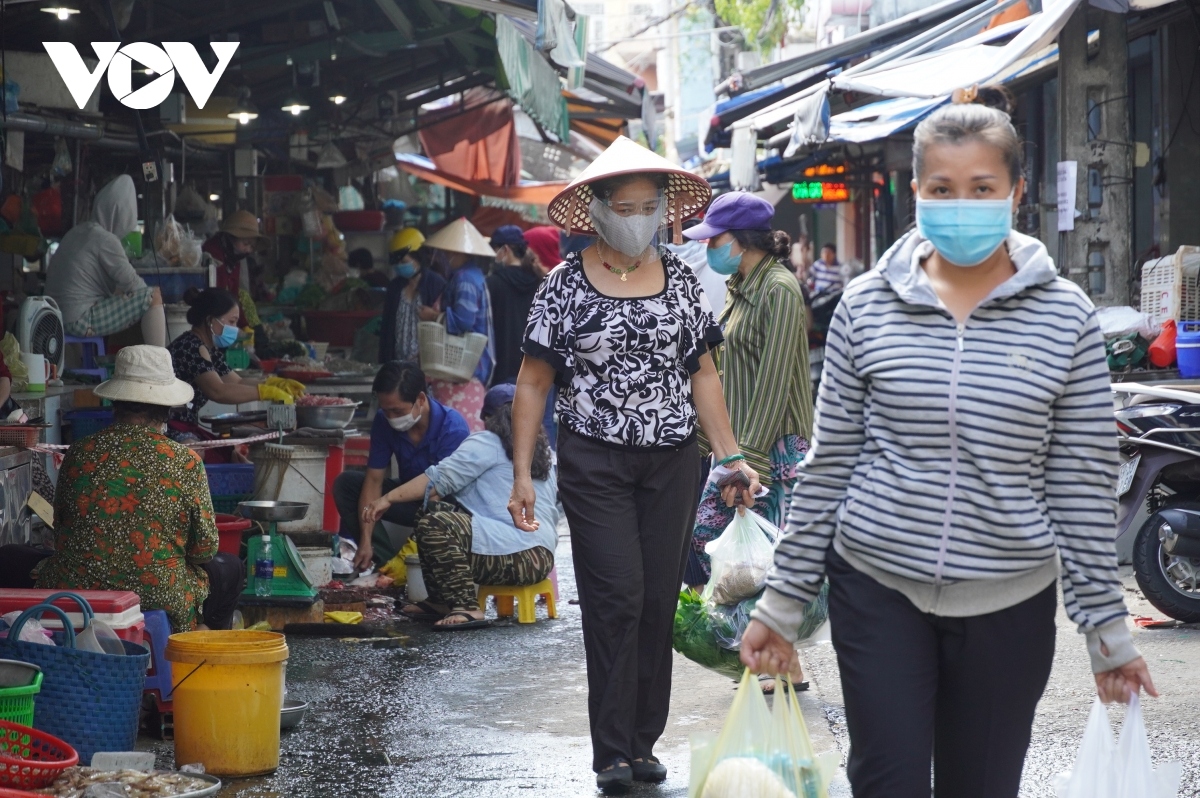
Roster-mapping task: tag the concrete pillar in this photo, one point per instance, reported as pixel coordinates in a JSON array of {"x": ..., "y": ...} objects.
[{"x": 1094, "y": 132}]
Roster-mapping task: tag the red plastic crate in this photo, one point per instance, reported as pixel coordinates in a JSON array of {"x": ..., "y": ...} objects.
[
  {"x": 120, "y": 609},
  {"x": 358, "y": 450}
]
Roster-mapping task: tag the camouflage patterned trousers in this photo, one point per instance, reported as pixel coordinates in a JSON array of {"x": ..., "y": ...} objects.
[{"x": 451, "y": 570}]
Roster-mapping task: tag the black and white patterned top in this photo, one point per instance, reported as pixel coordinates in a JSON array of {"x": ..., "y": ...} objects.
[
  {"x": 624, "y": 365},
  {"x": 189, "y": 364}
]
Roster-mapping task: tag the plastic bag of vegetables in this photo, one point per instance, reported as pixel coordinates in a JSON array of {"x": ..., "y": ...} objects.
[
  {"x": 693, "y": 637},
  {"x": 729, "y": 620},
  {"x": 760, "y": 752}
]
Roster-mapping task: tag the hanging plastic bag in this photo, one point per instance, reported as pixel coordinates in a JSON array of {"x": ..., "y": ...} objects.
[
  {"x": 1091, "y": 777},
  {"x": 1137, "y": 776},
  {"x": 741, "y": 557},
  {"x": 761, "y": 752},
  {"x": 1104, "y": 769}
]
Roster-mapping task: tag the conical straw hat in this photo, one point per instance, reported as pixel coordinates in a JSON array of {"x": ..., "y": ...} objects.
[
  {"x": 686, "y": 194},
  {"x": 461, "y": 236}
]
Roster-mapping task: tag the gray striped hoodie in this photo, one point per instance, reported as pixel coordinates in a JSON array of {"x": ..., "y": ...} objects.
[{"x": 963, "y": 465}]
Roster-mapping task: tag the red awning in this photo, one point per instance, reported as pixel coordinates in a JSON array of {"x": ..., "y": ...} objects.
[{"x": 529, "y": 192}]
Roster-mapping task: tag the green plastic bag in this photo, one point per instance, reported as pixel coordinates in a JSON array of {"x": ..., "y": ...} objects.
[
  {"x": 711, "y": 634},
  {"x": 693, "y": 637}
]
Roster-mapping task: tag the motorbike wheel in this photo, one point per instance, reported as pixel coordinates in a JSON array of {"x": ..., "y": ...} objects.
[{"x": 1171, "y": 584}]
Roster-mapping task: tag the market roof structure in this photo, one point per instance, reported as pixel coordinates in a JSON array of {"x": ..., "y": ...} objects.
[{"x": 359, "y": 72}]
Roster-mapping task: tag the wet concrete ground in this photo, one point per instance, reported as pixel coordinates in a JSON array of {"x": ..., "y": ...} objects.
[
  {"x": 1172, "y": 721},
  {"x": 491, "y": 713},
  {"x": 502, "y": 712}
]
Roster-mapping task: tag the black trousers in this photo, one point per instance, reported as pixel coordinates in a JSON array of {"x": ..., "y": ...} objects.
[
  {"x": 963, "y": 690},
  {"x": 226, "y": 581},
  {"x": 631, "y": 514},
  {"x": 16, "y": 561},
  {"x": 346, "y": 490}
]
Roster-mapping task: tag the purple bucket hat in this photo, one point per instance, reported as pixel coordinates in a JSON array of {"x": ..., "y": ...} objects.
[{"x": 736, "y": 210}]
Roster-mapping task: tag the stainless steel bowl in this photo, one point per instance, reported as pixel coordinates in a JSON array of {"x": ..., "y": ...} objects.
[
  {"x": 272, "y": 511},
  {"x": 14, "y": 673},
  {"x": 326, "y": 416},
  {"x": 292, "y": 713}
]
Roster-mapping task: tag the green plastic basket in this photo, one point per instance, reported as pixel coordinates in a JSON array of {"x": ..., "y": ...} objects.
[
  {"x": 16, "y": 703},
  {"x": 237, "y": 358},
  {"x": 228, "y": 504}
]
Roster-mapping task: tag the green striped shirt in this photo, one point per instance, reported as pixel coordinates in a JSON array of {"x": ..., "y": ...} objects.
[{"x": 763, "y": 363}]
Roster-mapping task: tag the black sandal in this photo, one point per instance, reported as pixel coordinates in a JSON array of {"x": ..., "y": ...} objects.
[
  {"x": 471, "y": 623},
  {"x": 429, "y": 612},
  {"x": 650, "y": 770},
  {"x": 616, "y": 780}
]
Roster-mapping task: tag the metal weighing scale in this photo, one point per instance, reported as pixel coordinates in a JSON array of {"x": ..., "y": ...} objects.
[{"x": 292, "y": 580}]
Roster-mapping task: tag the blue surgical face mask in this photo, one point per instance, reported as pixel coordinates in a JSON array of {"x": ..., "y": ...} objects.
[
  {"x": 227, "y": 338},
  {"x": 722, "y": 260},
  {"x": 965, "y": 232},
  {"x": 405, "y": 269}
]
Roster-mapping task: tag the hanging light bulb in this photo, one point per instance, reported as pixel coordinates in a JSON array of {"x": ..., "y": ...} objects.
[
  {"x": 338, "y": 99},
  {"x": 62, "y": 12},
  {"x": 244, "y": 110},
  {"x": 295, "y": 106},
  {"x": 214, "y": 197}
]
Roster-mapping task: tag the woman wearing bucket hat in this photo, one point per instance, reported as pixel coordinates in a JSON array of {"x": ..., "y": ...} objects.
[
  {"x": 133, "y": 510},
  {"x": 231, "y": 248},
  {"x": 763, "y": 362},
  {"x": 468, "y": 309},
  {"x": 624, "y": 330}
]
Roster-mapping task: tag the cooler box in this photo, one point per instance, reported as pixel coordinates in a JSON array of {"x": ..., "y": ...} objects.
[{"x": 120, "y": 609}]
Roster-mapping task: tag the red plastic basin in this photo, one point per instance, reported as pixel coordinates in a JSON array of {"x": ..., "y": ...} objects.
[{"x": 230, "y": 529}]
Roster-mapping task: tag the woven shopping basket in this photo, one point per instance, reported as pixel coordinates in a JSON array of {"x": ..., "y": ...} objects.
[
  {"x": 449, "y": 357},
  {"x": 89, "y": 700}
]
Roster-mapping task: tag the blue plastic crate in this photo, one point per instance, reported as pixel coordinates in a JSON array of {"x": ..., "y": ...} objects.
[
  {"x": 231, "y": 479},
  {"x": 87, "y": 422},
  {"x": 175, "y": 282}
]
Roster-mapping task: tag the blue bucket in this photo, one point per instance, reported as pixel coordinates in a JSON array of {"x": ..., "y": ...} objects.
[{"x": 1187, "y": 348}]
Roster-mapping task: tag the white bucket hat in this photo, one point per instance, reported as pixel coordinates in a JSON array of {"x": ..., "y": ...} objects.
[
  {"x": 145, "y": 374},
  {"x": 461, "y": 236},
  {"x": 685, "y": 194}
]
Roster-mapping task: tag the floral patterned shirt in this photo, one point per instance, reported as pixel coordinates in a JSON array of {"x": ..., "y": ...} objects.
[
  {"x": 133, "y": 512},
  {"x": 189, "y": 365},
  {"x": 624, "y": 364}
]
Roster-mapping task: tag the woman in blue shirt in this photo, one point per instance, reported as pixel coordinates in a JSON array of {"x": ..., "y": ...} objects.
[
  {"x": 473, "y": 539},
  {"x": 468, "y": 309}
]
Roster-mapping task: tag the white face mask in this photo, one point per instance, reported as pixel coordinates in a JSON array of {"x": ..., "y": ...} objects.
[
  {"x": 404, "y": 423},
  {"x": 629, "y": 235}
]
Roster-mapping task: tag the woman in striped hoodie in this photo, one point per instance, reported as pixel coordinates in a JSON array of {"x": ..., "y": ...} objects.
[{"x": 964, "y": 456}]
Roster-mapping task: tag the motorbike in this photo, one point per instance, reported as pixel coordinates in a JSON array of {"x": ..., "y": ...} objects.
[{"x": 1159, "y": 434}]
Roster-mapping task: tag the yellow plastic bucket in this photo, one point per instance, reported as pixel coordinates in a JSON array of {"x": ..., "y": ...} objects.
[{"x": 228, "y": 696}]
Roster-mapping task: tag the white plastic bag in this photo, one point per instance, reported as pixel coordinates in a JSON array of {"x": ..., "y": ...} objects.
[
  {"x": 1118, "y": 321},
  {"x": 1104, "y": 769},
  {"x": 741, "y": 557},
  {"x": 1091, "y": 777},
  {"x": 1137, "y": 777},
  {"x": 31, "y": 632}
]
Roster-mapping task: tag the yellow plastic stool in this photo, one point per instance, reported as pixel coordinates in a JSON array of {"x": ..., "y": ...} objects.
[{"x": 526, "y": 597}]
